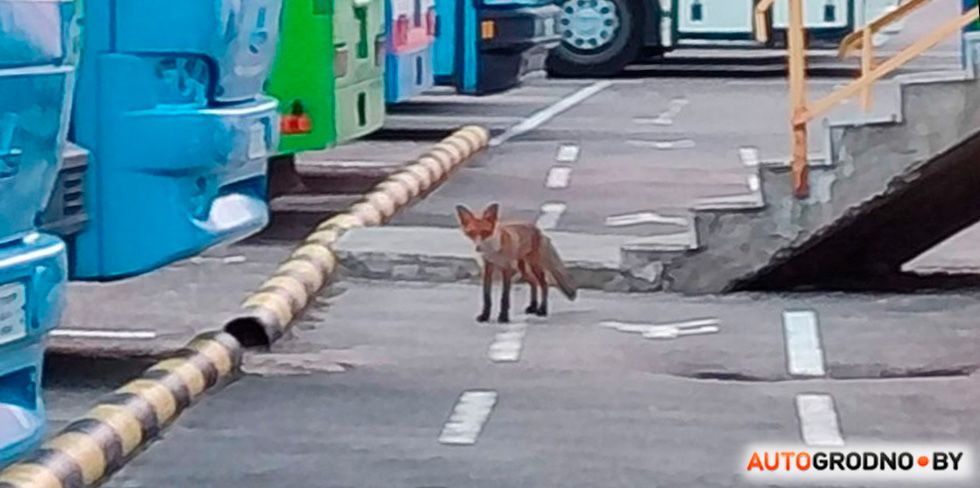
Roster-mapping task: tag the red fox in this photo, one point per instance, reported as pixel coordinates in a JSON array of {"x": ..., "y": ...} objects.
[{"x": 513, "y": 247}]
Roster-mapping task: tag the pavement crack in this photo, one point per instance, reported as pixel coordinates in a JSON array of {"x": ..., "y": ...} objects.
[
  {"x": 896, "y": 373},
  {"x": 730, "y": 377},
  {"x": 890, "y": 374}
]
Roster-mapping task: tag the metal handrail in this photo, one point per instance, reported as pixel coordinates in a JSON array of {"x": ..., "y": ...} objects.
[
  {"x": 855, "y": 39},
  {"x": 805, "y": 111},
  {"x": 761, "y": 26},
  {"x": 868, "y": 77}
]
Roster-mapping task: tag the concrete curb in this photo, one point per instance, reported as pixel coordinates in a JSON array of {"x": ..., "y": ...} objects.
[
  {"x": 268, "y": 313},
  {"x": 444, "y": 255},
  {"x": 104, "y": 439},
  {"x": 451, "y": 269}
]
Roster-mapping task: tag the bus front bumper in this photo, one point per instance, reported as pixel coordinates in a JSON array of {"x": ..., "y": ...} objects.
[{"x": 514, "y": 42}]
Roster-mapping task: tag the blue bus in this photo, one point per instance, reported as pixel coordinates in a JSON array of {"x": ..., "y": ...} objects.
[
  {"x": 487, "y": 46},
  {"x": 170, "y": 104},
  {"x": 37, "y": 57},
  {"x": 411, "y": 28}
]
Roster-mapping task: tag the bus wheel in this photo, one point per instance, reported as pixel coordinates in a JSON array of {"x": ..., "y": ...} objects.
[{"x": 599, "y": 37}]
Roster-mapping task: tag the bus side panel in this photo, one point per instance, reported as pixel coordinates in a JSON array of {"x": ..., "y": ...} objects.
[
  {"x": 505, "y": 41},
  {"x": 468, "y": 50},
  {"x": 175, "y": 166},
  {"x": 359, "y": 29},
  {"x": 444, "y": 58},
  {"x": 829, "y": 19},
  {"x": 408, "y": 67},
  {"x": 716, "y": 19}
]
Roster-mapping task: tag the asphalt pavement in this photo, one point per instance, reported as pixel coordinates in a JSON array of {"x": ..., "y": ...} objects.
[
  {"x": 389, "y": 384},
  {"x": 581, "y": 404}
]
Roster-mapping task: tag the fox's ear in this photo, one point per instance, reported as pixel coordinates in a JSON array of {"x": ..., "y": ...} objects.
[
  {"x": 491, "y": 213},
  {"x": 464, "y": 214}
]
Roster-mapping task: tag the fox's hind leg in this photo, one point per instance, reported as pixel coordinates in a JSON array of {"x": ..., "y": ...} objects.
[
  {"x": 532, "y": 281},
  {"x": 542, "y": 280}
]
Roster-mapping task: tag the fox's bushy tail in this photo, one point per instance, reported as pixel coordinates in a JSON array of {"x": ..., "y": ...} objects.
[{"x": 556, "y": 268}]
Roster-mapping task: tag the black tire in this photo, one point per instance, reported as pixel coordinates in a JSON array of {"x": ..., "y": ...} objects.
[{"x": 568, "y": 60}]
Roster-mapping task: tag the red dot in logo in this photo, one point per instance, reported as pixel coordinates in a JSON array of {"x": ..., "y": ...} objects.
[{"x": 923, "y": 461}]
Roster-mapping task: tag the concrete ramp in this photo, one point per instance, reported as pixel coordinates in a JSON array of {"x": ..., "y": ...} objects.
[{"x": 886, "y": 191}]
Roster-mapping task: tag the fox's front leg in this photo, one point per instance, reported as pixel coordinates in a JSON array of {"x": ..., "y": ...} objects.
[
  {"x": 487, "y": 292},
  {"x": 505, "y": 296}
]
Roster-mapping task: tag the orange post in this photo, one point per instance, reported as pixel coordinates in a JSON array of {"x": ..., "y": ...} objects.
[
  {"x": 798, "y": 98},
  {"x": 867, "y": 64}
]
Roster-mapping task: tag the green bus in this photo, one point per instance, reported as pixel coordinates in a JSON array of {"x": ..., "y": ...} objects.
[{"x": 328, "y": 73}]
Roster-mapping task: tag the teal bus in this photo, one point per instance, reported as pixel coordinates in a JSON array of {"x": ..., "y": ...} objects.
[{"x": 600, "y": 37}]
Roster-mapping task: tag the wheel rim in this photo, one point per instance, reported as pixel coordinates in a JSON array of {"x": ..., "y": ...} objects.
[{"x": 589, "y": 24}]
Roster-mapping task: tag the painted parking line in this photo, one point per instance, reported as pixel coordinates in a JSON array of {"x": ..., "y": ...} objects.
[
  {"x": 666, "y": 117},
  {"x": 803, "y": 350},
  {"x": 103, "y": 334},
  {"x": 508, "y": 344},
  {"x": 470, "y": 414},
  {"x": 218, "y": 259},
  {"x": 675, "y": 106},
  {"x": 660, "y": 120},
  {"x": 666, "y": 333},
  {"x": 663, "y": 145},
  {"x": 819, "y": 425},
  {"x": 673, "y": 330},
  {"x": 550, "y": 215},
  {"x": 541, "y": 117},
  {"x": 567, "y": 153},
  {"x": 638, "y": 328},
  {"x": 640, "y": 218},
  {"x": 558, "y": 177}
]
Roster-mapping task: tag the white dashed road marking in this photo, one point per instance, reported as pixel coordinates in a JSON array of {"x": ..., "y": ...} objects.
[
  {"x": 550, "y": 215},
  {"x": 749, "y": 156},
  {"x": 567, "y": 153},
  {"x": 543, "y": 116},
  {"x": 818, "y": 420},
  {"x": 558, "y": 177},
  {"x": 507, "y": 344},
  {"x": 803, "y": 350},
  {"x": 470, "y": 414}
]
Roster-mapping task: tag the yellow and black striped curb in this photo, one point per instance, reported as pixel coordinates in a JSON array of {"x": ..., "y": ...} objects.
[
  {"x": 268, "y": 313},
  {"x": 108, "y": 435}
]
